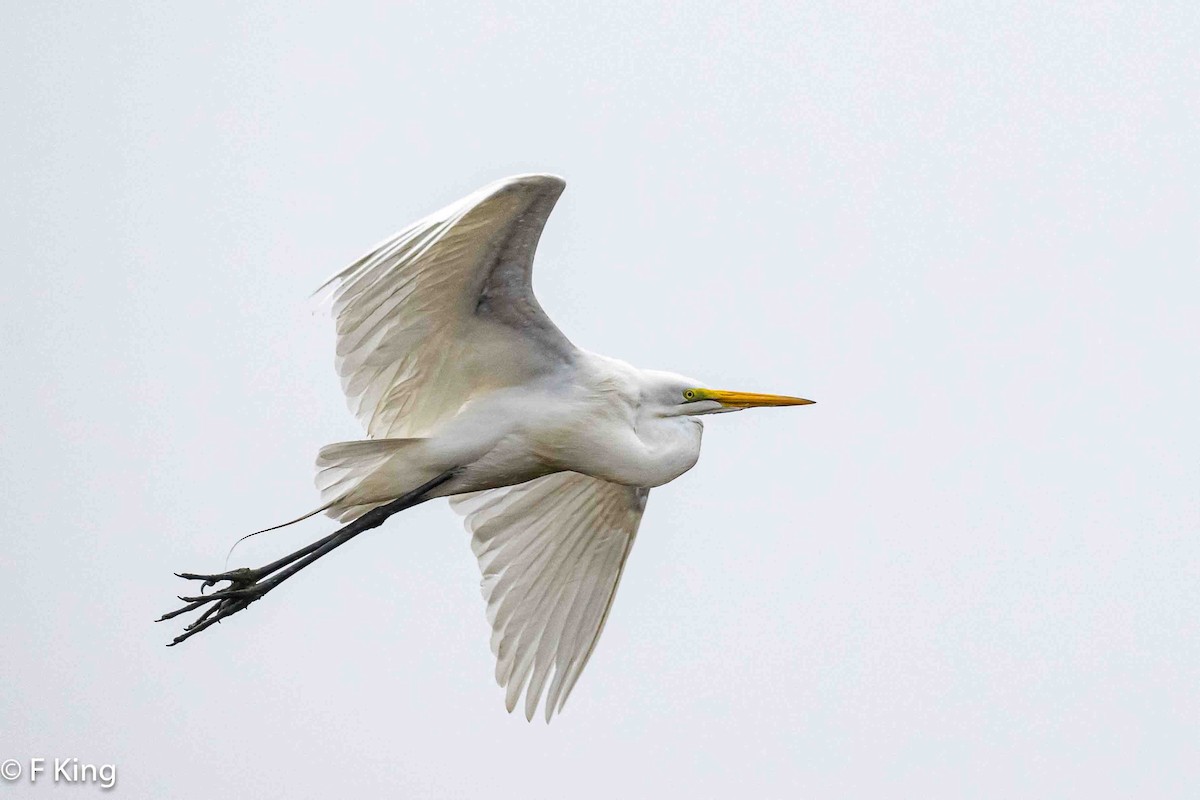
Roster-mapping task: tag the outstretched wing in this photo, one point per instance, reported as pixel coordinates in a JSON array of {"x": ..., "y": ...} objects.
[
  {"x": 445, "y": 310},
  {"x": 551, "y": 552}
]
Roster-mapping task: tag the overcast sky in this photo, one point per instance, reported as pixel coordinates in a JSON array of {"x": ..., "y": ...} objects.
[{"x": 970, "y": 233}]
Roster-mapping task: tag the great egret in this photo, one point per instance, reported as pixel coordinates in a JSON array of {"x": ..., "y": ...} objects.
[{"x": 467, "y": 390}]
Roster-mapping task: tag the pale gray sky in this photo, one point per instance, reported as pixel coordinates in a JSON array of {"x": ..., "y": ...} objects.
[{"x": 968, "y": 230}]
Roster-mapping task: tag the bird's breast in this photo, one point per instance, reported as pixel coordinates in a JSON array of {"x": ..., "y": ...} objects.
[
  {"x": 512, "y": 437},
  {"x": 671, "y": 449},
  {"x": 619, "y": 448}
]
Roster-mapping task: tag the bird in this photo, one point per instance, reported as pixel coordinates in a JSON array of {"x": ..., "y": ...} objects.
[{"x": 467, "y": 390}]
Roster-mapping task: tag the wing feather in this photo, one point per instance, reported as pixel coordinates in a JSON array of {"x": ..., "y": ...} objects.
[
  {"x": 421, "y": 318},
  {"x": 551, "y": 552}
]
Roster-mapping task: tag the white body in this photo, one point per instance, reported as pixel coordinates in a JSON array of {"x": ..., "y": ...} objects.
[{"x": 599, "y": 417}]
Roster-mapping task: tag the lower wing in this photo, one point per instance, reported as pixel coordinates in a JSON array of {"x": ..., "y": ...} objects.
[{"x": 551, "y": 552}]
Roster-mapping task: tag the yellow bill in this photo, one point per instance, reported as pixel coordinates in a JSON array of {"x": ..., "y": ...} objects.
[{"x": 745, "y": 399}]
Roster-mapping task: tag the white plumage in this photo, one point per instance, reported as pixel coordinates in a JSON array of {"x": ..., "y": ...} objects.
[
  {"x": 444, "y": 310},
  {"x": 551, "y": 552},
  {"x": 412, "y": 351},
  {"x": 468, "y": 390}
]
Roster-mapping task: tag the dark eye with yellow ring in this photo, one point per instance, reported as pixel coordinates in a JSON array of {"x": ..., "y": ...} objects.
[{"x": 689, "y": 395}]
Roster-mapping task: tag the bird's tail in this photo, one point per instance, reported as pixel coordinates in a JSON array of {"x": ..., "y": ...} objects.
[{"x": 355, "y": 477}]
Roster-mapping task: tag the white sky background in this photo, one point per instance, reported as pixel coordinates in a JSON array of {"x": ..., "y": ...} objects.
[{"x": 970, "y": 233}]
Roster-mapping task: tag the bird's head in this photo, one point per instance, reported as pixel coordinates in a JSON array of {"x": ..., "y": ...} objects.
[{"x": 680, "y": 396}]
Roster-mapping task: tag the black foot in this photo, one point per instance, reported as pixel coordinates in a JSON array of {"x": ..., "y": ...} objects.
[{"x": 245, "y": 586}]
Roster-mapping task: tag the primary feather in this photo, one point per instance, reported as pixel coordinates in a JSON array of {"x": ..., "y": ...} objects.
[
  {"x": 444, "y": 310},
  {"x": 551, "y": 552}
]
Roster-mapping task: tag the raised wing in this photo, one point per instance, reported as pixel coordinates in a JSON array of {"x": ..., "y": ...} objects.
[
  {"x": 551, "y": 552},
  {"x": 445, "y": 310}
]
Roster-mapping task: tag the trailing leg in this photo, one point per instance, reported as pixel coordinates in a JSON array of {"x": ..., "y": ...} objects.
[{"x": 248, "y": 585}]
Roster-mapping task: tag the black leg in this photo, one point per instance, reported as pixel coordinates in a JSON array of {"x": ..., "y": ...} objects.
[{"x": 247, "y": 585}]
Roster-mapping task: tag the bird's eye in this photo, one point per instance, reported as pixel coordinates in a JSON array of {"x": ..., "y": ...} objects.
[{"x": 689, "y": 395}]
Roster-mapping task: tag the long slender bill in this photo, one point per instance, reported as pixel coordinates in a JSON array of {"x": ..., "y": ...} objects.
[{"x": 750, "y": 399}]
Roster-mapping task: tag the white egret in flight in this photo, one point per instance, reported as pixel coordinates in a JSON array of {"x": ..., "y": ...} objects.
[{"x": 467, "y": 390}]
